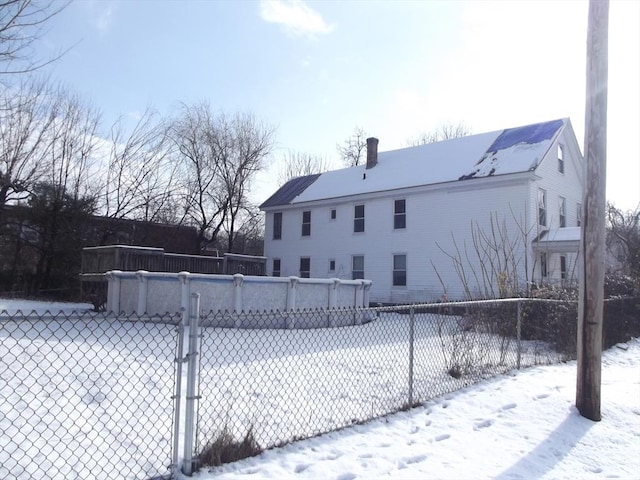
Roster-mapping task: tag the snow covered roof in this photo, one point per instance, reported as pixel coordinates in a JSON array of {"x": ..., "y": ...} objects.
[
  {"x": 559, "y": 240},
  {"x": 502, "y": 152}
]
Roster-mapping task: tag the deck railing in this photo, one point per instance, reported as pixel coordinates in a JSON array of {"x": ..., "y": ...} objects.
[{"x": 96, "y": 261}]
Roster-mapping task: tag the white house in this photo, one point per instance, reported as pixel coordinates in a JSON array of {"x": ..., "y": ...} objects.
[{"x": 477, "y": 216}]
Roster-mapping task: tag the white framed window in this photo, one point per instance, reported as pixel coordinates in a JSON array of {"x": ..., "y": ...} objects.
[
  {"x": 333, "y": 214},
  {"x": 578, "y": 215},
  {"x": 358, "y": 218},
  {"x": 542, "y": 207},
  {"x": 563, "y": 267},
  {"x": 399, "y": 214},
  {"x": 562, "y": 211},
  {"x": 332, "y": 265},
  {"x": 275, "y": 271},
  {"x": 305, "y": 267},
  {"x": 277, "y": 225},
  {"x": 357, "y": 267},
  {"x": 543, "y": 265},
  {"x": 561, "y": 158},
  {"x": 306, "y": 223},
  {"x": 399, "y": 270}
]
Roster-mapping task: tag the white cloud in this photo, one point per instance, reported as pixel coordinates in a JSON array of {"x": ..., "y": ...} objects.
[
  {"x": 297, "y": 18},
  {"x": 101, "y": 14}
]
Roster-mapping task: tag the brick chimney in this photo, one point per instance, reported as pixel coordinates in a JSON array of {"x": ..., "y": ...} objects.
[{"x": 372, "y": 152}]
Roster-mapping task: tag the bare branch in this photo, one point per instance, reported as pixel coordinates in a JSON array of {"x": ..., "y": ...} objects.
[
  {"x": 444, "y": 131},
  {"x": 351, "y": 151},
  {"x": 21, "y": 24},
  {"x": 298, "y": 164}
]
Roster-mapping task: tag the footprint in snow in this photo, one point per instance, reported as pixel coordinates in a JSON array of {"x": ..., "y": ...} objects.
[
  {"x": 509, "y": 406},
  {"x": 301, "y": 468},
  {"x": 442, "y": 437},
  {"x": 541, "y": 396},
  {"x": 346, "y": 476},
  {"x": 411, "y": 460},
  {"x": 483, "y": 424},
  {"x": 333, "y": 456}
]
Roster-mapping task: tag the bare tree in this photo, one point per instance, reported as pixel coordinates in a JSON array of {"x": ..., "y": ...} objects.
[
  {"x": 65, "y": 183},
  {"x": 623, "y": 238},
  {"x": 26, "y": 123},
  {"x": 444, "y": 131},
  {"x": 21, "y": 23},
  {"x": 249, "y": 238},
  {"x": 299, "y": 164},
  {"x": 495, "y": 263},
  {"x": 218, "y": 158},
  {"x": 252, "y": 142},
  {"x": 138, "y": 182},
  {"x": 353, "y": 148}
]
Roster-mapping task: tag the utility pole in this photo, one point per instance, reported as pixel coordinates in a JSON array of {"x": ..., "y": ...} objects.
[{"x": 593, "y": 231}]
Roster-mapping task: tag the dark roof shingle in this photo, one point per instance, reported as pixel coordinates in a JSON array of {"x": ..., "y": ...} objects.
[{"x": 290, "y": 190}]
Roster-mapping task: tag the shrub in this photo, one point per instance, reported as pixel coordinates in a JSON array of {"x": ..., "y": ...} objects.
[
  {"x": 226, "y": 449},
  {"x": 552, "y": 322}
]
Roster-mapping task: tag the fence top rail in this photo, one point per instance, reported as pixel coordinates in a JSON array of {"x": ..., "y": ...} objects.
[
  {"x": 246, "y": 278},
  {"x": 246, "y": 258},
  {"x": 133, "y": 248},
  {"x": 469, "y": 303},
  {"x": 198, "y": 257}
]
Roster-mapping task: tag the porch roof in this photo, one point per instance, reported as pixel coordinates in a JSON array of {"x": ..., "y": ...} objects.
[{"x": 558, "y": 240}]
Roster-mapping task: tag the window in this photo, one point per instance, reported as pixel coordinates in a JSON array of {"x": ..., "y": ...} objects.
[
  {"x": 542, "y": 207},
  {"x": 399, "y": 214},
  {"x": 277, "y": 225},
  {"x": 543, "y": 265},
  {"x": 358, "y": 218},
  {"x": 399, "y": 270},
  {"x": 305, "y": 267},
  {"x": 332, "y": 265},
  {"x": 560, "y": 158},
  {"x": 275, "y": 271},
  {"x": 579, "y": 214},
  {"x": 563, "y": 212},
  {"x": 563, "y": 267},
  {"x": 306, "y": 223},
  {"x": 357, "y": 267},
  {"x": 333, "y": 214}
]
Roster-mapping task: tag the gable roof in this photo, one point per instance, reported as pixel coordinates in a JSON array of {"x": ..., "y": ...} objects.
[{"x": 502, "y": 152}]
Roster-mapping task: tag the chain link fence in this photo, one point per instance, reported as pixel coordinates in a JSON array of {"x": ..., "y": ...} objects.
[
  {"x": 86, "y": 396},
  {"x": 101, "y": 396},
  {"x": 264, "y": 388}
]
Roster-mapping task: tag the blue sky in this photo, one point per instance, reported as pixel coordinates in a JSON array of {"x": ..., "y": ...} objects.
[{"x": 317, "y": 69}]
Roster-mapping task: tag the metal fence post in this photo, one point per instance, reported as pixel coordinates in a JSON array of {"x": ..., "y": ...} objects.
[
  {"x": 191, "y": 397},
  {"x": 518, "y": 332},
  {"x": 178, "y": 392},
  {"x": 412, "y": 315}
]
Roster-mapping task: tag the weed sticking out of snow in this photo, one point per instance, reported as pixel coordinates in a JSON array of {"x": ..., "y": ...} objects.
[{"x": 226, "y": 449}]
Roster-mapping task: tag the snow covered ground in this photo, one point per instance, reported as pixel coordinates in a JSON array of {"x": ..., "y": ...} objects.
[
  {"x": 12, "y": 306},
  {"x": 521, "y": 425}
]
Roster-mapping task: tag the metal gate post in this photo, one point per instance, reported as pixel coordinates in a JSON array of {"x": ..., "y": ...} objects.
[
  {"x": 519, "y": 332},
  {"x": 412, "y": 314},
  {"x": 177, "y": 412},
  {"x": 192, "y": 371}
]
